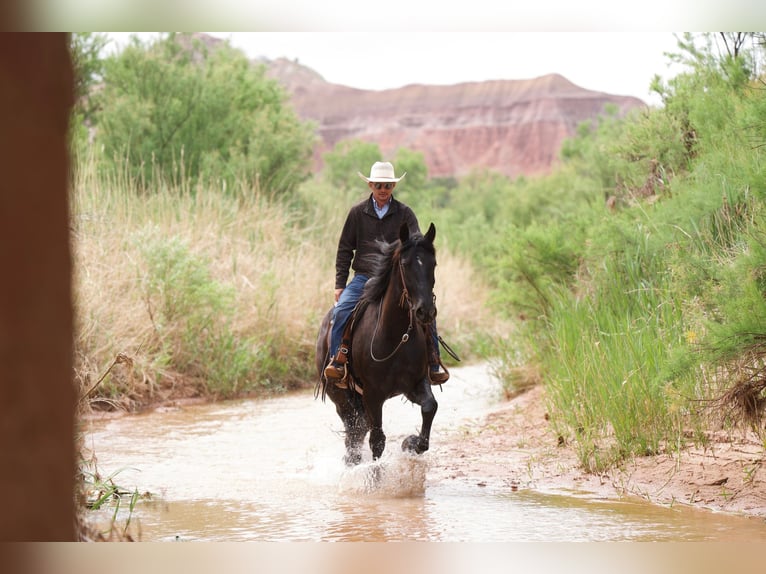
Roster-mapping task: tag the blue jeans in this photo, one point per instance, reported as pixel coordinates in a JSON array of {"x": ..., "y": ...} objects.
[
  {"x": 345, "y": 305},
  {"x": 342, "y": 311}
]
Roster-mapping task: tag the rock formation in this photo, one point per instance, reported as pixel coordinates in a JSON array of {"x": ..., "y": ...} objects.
[{"x": 514, "y": 127}]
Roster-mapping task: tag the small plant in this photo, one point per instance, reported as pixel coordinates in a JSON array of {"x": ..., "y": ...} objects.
[
  {"x": 98, "y": 491},
  {"x": 750, "y": 472}
]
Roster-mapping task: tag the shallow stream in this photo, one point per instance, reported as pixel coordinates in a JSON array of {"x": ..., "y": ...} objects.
[{"x": 271, "y": 470}]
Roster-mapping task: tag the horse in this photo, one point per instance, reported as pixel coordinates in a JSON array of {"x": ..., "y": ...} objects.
[{"x": 388, "y": 355}]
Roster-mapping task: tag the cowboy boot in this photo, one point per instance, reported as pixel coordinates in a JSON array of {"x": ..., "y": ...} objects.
[
  {"x": 436, "y": 371},
  {"x": 336, "y": 369}
]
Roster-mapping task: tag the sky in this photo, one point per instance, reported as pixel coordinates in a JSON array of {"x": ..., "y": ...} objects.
[{"x": 616, "y": 63}]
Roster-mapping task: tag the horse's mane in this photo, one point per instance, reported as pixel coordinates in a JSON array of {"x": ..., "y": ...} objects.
[{"x": 383, "y": 265}]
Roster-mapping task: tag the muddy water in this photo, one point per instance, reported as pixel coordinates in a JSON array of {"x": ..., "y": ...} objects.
[{"x": 271, "y": 470}]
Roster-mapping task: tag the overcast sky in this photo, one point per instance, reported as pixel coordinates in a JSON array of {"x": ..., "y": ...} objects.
[{"x": 617, "y": 63}]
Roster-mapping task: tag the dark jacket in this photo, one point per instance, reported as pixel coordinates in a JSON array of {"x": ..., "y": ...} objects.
[{"x": 362, "y": 229}]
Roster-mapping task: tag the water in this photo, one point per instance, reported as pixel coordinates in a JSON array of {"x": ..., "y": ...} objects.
[{"x": 271, "y": 470}]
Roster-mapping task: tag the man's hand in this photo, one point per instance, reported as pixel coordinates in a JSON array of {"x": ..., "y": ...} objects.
[{"x": 337, "y": 294}]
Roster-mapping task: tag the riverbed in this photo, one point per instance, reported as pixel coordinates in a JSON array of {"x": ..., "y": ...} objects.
[{"x": 272, "y": 470}]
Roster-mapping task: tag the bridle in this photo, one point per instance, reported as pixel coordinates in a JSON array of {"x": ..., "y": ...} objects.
[{"x": 404, "y": 300}]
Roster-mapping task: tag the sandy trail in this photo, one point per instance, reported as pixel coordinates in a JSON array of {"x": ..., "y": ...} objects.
[{"x": 514, "y": 446}]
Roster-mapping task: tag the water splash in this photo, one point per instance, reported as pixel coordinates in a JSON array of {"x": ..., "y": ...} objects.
[{"x": 396, "y": 475}]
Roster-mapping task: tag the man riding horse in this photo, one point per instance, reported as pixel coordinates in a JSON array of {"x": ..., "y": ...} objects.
[{"x": 379, "y": 217}]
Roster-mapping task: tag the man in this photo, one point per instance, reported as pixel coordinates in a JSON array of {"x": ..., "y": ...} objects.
[{"x": 378, "y": 217}]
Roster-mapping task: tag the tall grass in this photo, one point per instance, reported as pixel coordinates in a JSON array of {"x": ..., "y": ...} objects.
[
  {"x": 213, "y": 293},
  {"x": 629, "y": 346},
  {"x": 607, "y": 358}
]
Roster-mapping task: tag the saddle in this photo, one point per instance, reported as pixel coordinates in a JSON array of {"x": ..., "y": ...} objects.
[{"x": 348, "y": 381}]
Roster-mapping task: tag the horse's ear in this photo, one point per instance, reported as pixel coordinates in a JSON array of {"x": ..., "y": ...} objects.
[
  {"x": 404, "y": 232},
  {"x": 431, "y": 233}
]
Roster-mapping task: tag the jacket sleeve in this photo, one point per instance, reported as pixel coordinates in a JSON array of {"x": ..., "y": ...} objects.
[{"x": 346, "y": 247}]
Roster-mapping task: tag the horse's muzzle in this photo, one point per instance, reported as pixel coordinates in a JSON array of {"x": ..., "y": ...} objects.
[{"x": 425, "y": 314}]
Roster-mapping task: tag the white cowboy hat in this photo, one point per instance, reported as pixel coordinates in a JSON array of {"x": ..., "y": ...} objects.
[{"x": 382, "y": 171}]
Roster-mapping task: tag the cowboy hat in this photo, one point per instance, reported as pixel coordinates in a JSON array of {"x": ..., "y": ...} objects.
[{"x": 382, "y": 171}]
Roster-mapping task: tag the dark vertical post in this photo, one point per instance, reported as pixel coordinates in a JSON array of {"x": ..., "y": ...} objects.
[{"x": 36, "y": 318}]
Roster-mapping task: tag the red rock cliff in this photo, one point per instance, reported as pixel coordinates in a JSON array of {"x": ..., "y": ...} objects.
[{"x": 514, "y": 127}]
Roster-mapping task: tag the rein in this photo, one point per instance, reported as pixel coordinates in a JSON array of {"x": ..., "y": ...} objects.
[{"x": 405, "y": 299}]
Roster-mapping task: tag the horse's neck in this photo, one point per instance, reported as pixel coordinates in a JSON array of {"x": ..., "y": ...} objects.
[{"x": 394, "y": 311}]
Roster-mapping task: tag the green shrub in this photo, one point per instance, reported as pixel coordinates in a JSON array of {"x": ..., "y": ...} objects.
[
  {"x": 174, "y": 111},
  {"x": 191, "y": 314}
]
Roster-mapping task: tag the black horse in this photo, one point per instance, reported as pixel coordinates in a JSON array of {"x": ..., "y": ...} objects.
[{"x": 388, "y": 346}]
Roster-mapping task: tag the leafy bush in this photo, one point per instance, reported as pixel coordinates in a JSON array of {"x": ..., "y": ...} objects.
[
  {"x": 176, "y": 111},
  {"x": 191, "y": 314}
]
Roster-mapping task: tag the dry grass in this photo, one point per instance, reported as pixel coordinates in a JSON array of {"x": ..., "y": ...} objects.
[
  {"x": 248, "y": 245},
  {"x": 742, "y": 403}
]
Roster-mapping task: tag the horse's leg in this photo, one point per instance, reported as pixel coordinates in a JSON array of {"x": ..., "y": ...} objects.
[
  {"x": 356, "y": 429},
  {"x": 351, "y": 412},
  {"x": 377, "y": 436},
  {"x": 422, "y": 395}
]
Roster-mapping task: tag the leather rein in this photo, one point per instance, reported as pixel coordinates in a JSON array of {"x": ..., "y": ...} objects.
[{"x": 404, "y": 300}]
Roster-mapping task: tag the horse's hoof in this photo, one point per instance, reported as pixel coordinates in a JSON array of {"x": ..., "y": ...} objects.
[{"x": 413, "y": 443}]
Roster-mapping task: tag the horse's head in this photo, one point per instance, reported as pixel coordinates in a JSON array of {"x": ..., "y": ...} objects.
[{"x": 417, "y": 260}]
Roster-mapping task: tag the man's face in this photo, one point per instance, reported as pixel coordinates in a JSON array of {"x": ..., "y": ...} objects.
[{"x": 382, "y": 191}]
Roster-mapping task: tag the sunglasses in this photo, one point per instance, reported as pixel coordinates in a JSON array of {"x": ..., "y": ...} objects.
[{"x": 379, "y": 186}]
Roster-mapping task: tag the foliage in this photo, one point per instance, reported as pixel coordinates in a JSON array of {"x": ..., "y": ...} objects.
[
  {"x": 412, "y": 163},
  {"x": 191, "y": 314},
  {"x": 174, "y": 110},
  {"x": 346, "y": 160},
  {"x": 85, "y": 49}
]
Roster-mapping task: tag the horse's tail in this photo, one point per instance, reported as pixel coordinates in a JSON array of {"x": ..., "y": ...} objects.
[
  {"x": 322, "y": 382},
  {"x": 322, "y": 356}
]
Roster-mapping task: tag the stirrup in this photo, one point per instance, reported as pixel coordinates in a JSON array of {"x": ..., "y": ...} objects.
[
  {"x": 438, "y": 376},
  {"x": 335, "y": 371}
]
